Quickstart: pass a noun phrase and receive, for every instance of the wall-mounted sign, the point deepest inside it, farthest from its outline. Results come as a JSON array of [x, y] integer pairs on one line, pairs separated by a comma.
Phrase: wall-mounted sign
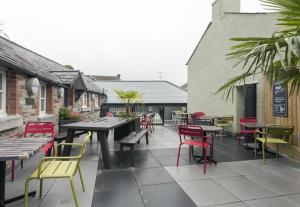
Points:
[[32, 86], [29, 101], [280, 100]]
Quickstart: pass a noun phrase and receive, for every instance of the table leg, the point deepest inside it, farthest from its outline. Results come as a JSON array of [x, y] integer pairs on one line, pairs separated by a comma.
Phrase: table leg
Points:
[[69, 139], [2, 187], [2, 181], [102, 138]]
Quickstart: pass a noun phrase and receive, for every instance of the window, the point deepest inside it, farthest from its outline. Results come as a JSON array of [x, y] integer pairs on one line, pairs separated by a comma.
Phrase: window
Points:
[[2, 93], [84, 99], [43, 99], [96, 100]]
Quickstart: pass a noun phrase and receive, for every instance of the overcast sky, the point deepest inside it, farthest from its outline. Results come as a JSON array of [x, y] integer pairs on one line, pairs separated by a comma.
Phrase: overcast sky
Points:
[[134, 38]]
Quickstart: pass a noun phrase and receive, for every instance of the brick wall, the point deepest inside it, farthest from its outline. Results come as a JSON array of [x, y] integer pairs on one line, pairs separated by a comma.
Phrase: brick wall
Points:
[[16, 104]]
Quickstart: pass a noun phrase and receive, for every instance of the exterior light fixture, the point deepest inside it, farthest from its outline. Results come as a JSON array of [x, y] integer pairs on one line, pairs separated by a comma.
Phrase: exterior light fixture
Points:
[[32, 86], [60, 92]]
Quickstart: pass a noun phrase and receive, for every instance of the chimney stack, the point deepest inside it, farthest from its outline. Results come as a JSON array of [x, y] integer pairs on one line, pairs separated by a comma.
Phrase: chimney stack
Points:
[[220, 7]]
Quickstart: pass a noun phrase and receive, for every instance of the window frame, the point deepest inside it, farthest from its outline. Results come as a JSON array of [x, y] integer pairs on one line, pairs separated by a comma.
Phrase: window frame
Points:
[[84, 100], [96, 100], [3, 100], [45, 99]]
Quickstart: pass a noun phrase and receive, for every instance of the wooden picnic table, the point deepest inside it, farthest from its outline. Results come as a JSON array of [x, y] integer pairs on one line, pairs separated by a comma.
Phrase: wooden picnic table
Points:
[[17, 149], [122, 126]]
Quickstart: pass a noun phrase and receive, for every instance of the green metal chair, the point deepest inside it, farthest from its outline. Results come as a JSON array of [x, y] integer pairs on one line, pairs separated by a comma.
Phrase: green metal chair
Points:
[[274, 134], [225, 121], [59, 167]]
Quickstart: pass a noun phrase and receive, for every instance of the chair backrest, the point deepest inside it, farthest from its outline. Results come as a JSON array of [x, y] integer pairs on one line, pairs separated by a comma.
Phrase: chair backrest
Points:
[[189, 130], [39, 128], [280, 132], [109, 114], [84, 144], [199, 114], [228, 120]]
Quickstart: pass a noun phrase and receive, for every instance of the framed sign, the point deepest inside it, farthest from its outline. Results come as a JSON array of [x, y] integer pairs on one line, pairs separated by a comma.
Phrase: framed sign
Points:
[[280, 100]]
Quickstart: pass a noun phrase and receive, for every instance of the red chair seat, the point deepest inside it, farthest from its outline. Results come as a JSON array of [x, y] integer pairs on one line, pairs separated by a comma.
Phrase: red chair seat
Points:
[[196, 143], [247, 131]]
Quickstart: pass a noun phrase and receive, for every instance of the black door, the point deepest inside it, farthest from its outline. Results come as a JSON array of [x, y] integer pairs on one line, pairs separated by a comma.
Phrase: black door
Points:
[[250, 100], [66, 97]]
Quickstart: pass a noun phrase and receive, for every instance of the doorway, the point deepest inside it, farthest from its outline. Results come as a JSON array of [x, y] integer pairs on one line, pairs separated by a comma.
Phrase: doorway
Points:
[[250, 100]]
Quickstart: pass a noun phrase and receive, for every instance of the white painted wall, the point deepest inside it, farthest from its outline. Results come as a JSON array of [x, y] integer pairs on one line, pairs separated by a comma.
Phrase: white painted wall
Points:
[[208, 69]]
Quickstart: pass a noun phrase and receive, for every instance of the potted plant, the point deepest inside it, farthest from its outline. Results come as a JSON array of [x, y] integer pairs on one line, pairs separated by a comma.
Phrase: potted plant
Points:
[[67, 116], [129, 98]]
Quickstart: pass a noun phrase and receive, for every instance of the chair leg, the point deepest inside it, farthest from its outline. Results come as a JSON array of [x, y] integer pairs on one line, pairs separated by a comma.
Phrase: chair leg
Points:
[[221, 138], [22, 164], [204, 161], [74, 192], [132, 155], [276, 151], [264, 155], [178, 155], [26, 193], [255, 148], [81, 178], [12, 170], [41, 189], [190, 153]]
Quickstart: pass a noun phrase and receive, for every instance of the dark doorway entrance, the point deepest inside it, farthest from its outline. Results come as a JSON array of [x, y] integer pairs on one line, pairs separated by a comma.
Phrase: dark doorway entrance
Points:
[[250, 100]]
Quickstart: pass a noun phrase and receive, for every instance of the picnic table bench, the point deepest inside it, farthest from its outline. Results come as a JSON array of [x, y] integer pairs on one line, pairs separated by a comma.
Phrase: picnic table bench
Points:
[[131, 140]]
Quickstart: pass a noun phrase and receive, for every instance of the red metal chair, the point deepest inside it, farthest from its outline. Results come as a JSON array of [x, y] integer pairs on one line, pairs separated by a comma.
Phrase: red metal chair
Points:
[[147, 122], [195, 132], [109, 114], [199, 115], [37, 128], [244, 131]]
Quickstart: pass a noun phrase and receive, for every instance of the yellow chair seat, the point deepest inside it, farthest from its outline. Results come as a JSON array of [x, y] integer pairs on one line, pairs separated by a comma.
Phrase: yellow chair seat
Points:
[[56, 169], [223, 125], [272, 140]]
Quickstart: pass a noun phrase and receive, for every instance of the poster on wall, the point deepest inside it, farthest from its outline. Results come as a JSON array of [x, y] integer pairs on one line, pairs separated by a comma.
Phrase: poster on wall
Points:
[[280, 100]]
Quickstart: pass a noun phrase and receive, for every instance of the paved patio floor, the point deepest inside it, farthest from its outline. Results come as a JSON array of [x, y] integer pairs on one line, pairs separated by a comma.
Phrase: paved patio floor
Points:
[[236, 181]]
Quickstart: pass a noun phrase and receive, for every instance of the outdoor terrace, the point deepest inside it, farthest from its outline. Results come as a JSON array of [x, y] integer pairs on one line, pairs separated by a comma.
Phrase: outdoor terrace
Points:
[[238, 180]]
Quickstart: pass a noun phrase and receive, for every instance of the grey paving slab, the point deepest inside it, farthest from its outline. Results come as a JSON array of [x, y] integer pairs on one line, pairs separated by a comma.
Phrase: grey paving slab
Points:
[[207, 192], [115, 179], [275, 183], [237, 204], [295, 198], [152, 176], [118, 198], [171, 161], [166, 195], [243, 188], [243, 167], [273, 202], [186, 173]]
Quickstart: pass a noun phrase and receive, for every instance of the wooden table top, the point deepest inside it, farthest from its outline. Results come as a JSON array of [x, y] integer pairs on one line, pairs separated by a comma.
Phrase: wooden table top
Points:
[[104, 123], [254, 125], [21, 148], [208, 128]]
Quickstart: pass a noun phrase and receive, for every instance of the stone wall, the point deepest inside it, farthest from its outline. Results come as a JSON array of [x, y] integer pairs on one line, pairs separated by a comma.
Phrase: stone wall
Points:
[[21, 108]]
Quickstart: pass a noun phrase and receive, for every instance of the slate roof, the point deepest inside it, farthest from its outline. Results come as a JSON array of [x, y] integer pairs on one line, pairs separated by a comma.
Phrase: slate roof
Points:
[[154, 92], [105, 77], [91, 85], [67, 76], [19, 58]]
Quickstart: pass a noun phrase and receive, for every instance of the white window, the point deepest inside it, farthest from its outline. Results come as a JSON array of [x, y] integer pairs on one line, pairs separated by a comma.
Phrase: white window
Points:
[[96, 100], [43, 99], [2, 93], [84, 99]]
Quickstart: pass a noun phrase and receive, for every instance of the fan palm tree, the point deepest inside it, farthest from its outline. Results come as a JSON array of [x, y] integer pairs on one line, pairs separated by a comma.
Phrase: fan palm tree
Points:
[[276, 57], [129, 98]]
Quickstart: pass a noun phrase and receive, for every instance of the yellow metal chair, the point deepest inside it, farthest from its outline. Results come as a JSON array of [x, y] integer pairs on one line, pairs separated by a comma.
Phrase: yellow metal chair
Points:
[[225, 121], [274, 134], [59, 167]]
